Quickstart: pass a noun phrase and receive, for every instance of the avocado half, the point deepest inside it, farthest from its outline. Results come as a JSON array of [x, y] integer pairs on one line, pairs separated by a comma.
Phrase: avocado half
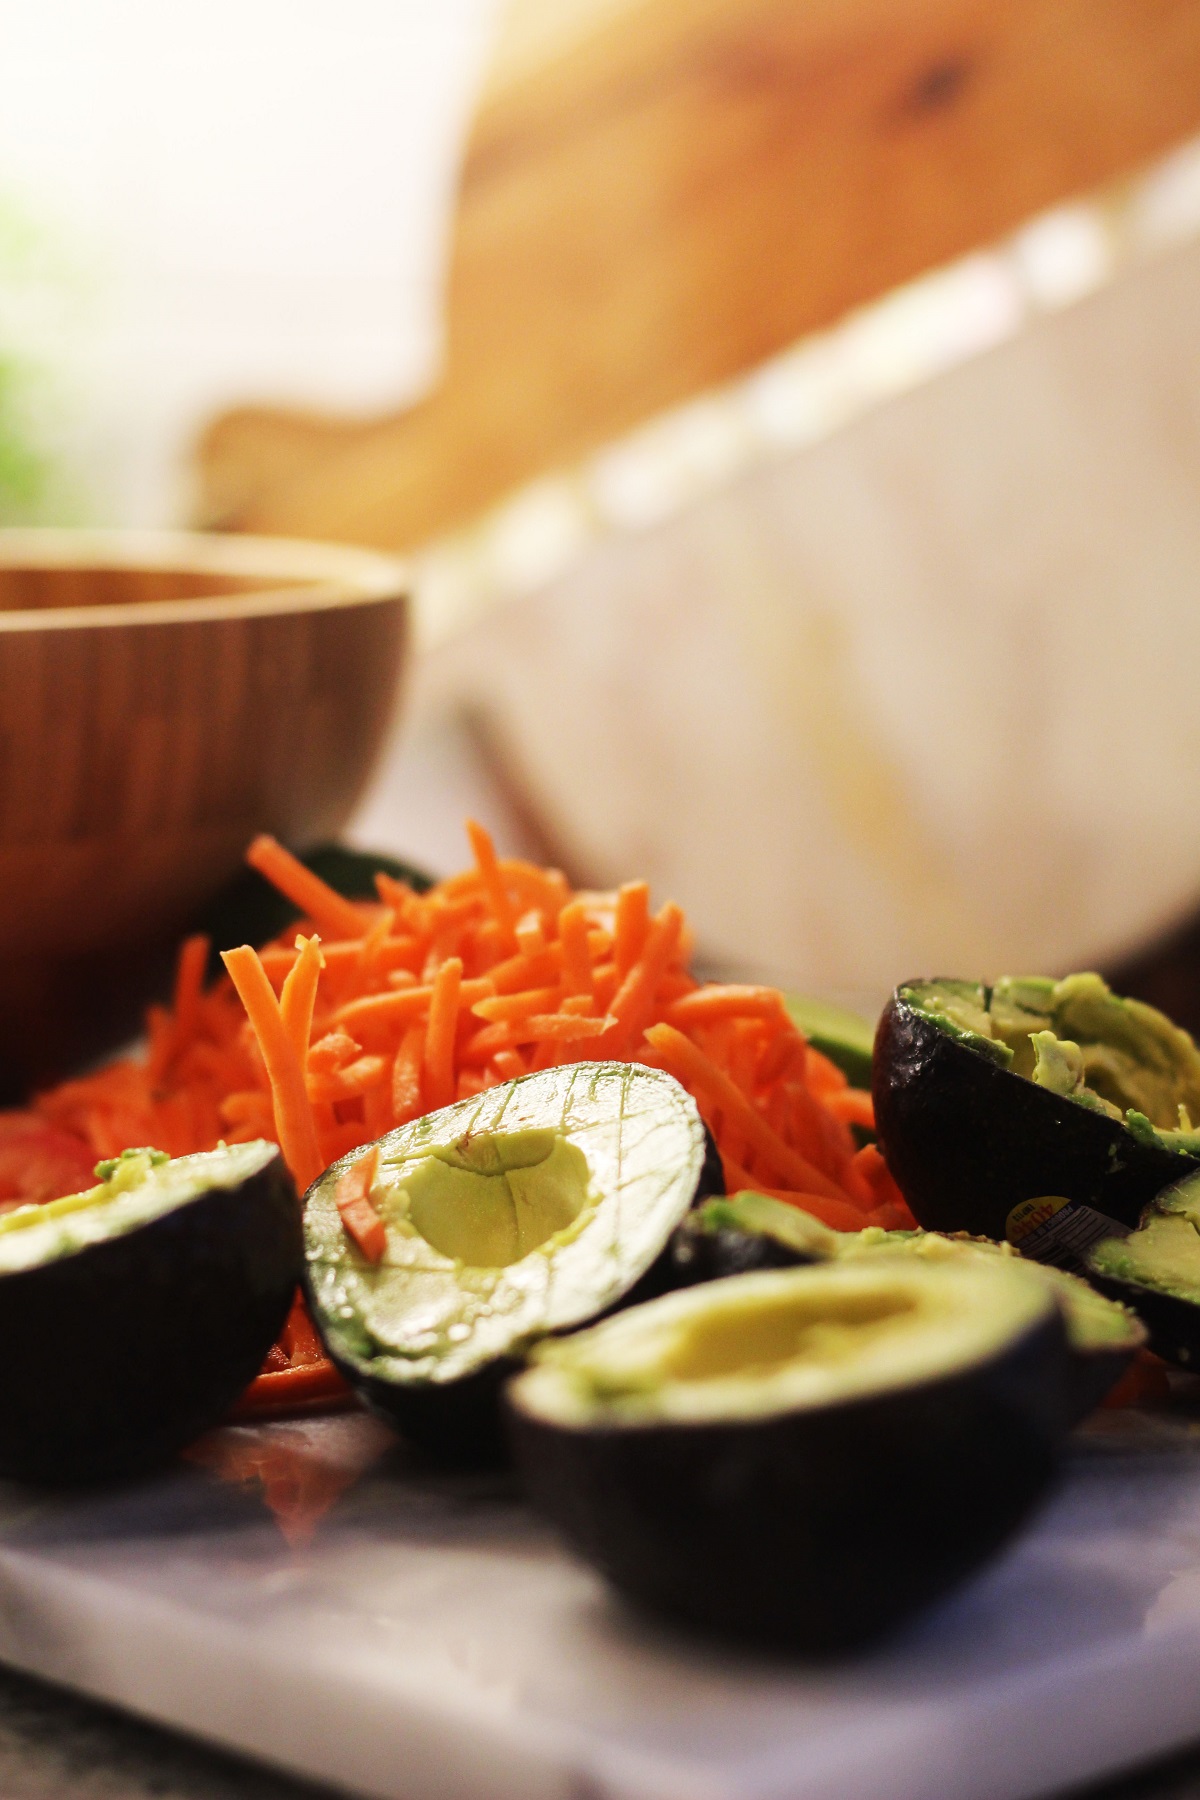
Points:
[[1156, 1271], [529, 1209], [748, 1454], [744, 1233], [133, 1315], [988, 1098], [752, 1231]]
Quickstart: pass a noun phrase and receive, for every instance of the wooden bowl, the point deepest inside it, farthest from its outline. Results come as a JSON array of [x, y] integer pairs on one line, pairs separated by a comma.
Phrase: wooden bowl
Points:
[[164, 696]]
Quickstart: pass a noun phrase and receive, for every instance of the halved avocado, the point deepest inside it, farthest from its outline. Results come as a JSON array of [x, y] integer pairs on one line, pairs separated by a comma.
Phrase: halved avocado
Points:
[[752, 1231], [745, 1232], [531, 1208], [989, 1098], [801, 1457], [133, 1315], [1103, 1335], [1156, 1271]]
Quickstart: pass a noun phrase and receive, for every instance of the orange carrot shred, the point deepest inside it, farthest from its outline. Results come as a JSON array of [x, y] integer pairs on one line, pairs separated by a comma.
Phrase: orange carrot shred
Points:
[[352, 1197], [633, 921], [706, 1004], [484, 852], [439, 1036], [633, 1001], [293, 1115], [577, 959], [315, 898], [189, 985], [854, 1105], [299, 995], [692, 1065]]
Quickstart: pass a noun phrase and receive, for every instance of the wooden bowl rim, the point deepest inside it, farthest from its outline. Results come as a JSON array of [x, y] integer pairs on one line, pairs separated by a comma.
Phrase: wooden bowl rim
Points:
[[312, 576]]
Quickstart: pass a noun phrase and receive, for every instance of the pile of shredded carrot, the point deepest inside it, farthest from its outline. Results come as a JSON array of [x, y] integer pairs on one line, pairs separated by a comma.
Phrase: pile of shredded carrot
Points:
[[373, 1013]]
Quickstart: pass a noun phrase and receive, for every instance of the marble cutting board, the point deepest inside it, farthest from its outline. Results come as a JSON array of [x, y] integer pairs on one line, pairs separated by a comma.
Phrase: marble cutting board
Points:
[[308, 1593]]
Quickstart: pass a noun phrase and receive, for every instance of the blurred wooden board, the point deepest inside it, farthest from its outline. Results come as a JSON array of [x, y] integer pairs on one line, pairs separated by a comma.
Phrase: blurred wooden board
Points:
[[659, 194]]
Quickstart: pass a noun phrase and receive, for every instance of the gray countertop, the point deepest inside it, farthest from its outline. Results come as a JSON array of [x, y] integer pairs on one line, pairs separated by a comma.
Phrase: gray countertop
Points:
[[56, 1746]]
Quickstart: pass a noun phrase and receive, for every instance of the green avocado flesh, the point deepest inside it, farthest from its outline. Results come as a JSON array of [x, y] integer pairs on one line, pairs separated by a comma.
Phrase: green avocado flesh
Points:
[[1078, 1039], [1092, 1322], [530, 1208], [782, 1341], [758, 1213], [136, 1187], [1164, 1252], [492, 1198]]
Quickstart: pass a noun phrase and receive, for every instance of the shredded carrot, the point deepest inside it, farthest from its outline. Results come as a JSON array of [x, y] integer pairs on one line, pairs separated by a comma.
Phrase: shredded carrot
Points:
[[286, 1389], [315, 898], [494, 884], [189, 986], [693, 1068], [633, 1003], [419, 999], [632, 923], [352, 1197], [439, 1037], [704, 1006], [852, 1105], [293, 1116], [299, 995], [406, 1075], [577, 961]]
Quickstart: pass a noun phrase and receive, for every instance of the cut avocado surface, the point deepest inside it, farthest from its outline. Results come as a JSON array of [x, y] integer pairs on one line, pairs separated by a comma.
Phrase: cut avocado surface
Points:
[[1156, 1270], [1078, 1039], [747, 1453], [990, 1098], [745, 1232], [132, 1315], [529, 1209], [752, 1231]]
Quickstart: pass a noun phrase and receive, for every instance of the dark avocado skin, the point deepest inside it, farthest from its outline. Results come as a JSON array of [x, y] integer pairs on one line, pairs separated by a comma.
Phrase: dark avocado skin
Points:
[[457, 1422], [460, 1422], [784, 1531], [700, 1255], [1173, 1324], [968, 1140], [1094, 1373], [118, 1355]]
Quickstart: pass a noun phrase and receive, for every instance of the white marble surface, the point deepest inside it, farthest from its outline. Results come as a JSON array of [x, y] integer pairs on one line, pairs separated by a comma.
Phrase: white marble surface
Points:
[[428, 1639]]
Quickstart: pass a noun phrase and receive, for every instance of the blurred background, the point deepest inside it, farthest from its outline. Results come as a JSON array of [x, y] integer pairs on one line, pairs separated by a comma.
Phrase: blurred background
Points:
[[791, 409]]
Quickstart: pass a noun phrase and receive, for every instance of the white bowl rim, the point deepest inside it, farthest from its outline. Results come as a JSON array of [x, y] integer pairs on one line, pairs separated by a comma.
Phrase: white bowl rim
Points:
[[312, 576]]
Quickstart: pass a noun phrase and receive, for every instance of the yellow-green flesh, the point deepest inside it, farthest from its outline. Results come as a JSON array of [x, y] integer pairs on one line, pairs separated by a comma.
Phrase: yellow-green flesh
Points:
[[780, 1341], [1164, 1254], [491, 1199], [1091, 1320], [1076, 1038]]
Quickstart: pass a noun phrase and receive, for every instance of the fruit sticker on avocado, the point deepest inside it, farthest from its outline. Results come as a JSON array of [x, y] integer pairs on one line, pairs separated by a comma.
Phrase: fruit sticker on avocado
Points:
[[1050, 1228]]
